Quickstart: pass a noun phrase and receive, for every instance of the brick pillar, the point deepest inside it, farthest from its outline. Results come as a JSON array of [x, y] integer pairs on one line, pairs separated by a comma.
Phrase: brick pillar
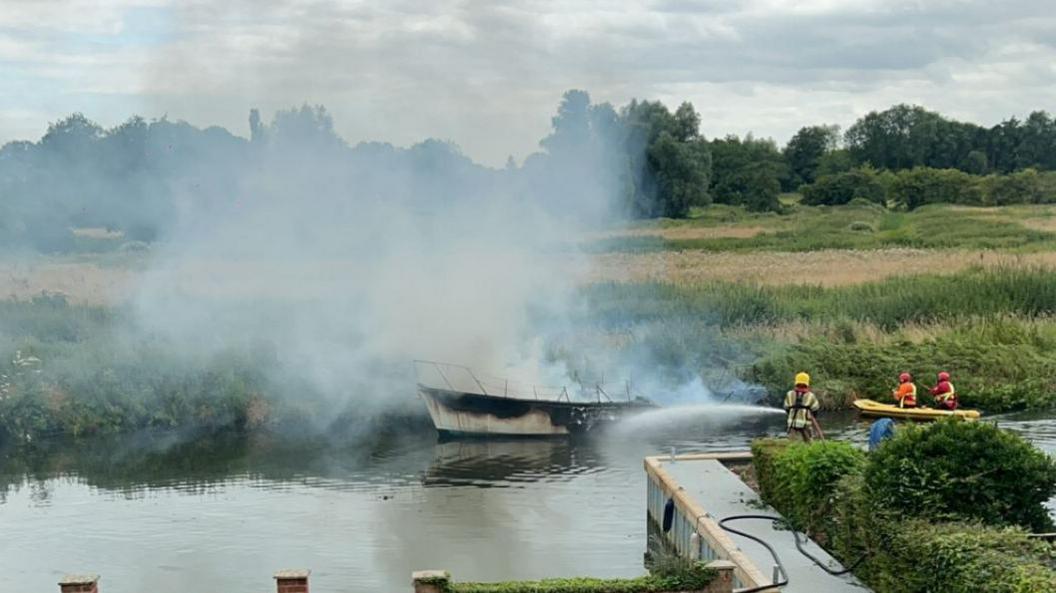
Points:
[[430, 581], [723, 582], [79, 583], [292, 581]]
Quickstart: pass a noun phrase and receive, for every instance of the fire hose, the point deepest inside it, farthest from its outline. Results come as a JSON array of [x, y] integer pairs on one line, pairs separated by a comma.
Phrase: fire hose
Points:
[[777, 559]]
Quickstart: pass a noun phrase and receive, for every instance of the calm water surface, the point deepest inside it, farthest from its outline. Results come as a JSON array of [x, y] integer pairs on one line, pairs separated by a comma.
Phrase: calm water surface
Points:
[[164, 515]]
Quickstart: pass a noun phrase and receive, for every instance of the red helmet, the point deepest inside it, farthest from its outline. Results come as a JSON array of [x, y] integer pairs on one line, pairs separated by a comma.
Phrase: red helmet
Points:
[[905, 377], [944, 376]]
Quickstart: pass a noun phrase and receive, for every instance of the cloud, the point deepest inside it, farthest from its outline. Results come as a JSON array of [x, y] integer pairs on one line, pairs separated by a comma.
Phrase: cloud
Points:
[[488, 75]]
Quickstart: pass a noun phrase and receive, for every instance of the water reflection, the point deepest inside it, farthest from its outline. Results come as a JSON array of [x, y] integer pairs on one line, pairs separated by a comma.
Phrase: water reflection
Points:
[[509, 463], [160, 512]]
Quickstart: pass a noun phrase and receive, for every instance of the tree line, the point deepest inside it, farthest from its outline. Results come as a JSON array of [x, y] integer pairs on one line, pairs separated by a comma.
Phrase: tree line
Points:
[[642, 160]]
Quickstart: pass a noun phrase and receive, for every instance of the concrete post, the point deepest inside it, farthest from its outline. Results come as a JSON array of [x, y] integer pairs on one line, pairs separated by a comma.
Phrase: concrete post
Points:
[[292, 581], [430, 581], [723, 582], [79, 583]]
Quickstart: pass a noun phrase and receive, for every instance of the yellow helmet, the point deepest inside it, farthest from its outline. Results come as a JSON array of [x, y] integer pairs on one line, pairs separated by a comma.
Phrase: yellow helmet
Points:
[[802, 379]]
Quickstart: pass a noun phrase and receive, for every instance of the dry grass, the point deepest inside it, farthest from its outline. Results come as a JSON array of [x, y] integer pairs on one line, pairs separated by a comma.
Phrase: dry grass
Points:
[[825, 268], [1046, 224], [86, 283]]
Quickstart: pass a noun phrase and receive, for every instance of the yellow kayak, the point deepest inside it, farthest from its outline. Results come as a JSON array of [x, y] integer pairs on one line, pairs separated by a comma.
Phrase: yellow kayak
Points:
[[869, 407]]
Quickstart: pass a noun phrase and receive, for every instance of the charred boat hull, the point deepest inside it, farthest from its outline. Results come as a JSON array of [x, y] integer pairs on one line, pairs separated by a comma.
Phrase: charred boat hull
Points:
[[462, 413]]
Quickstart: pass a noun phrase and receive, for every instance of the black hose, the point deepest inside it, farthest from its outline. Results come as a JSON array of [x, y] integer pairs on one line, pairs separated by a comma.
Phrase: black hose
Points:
[[777, 560]]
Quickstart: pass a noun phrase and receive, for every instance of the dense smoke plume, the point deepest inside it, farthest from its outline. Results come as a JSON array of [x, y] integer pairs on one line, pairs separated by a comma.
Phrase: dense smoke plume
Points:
[[327, 268], [351, 262]]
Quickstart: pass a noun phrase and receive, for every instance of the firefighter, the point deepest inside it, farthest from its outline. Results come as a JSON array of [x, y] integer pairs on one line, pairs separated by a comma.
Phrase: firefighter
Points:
[[906, 394], [801, 405], [944, 393]]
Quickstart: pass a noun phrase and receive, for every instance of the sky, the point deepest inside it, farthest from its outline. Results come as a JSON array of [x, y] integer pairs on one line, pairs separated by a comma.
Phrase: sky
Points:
[[488, 75]]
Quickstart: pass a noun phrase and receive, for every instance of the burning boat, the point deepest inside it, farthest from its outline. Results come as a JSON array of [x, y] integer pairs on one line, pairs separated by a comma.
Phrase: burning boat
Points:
[[460, 402]]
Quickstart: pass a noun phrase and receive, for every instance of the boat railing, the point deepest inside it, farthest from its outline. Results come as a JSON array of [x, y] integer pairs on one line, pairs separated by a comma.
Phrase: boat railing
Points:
[[463, 379]]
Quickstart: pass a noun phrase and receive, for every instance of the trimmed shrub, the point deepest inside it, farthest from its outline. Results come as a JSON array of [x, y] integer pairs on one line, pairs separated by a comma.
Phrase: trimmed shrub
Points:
[[765, 453], [696, 578], [958, 558], [898, 555], [806, 476], [963, 470]]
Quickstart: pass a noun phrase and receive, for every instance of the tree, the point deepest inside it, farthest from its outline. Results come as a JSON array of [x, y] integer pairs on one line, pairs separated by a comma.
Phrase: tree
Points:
[[975, 163], [805, 151], [898, 138], [308, 127], [681, 170], [256, 127], [746, 172], [1037, 142], [669, 162]]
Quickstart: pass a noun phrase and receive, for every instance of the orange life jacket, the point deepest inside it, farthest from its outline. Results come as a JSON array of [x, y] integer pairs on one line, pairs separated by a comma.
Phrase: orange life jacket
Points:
[[907, 395]]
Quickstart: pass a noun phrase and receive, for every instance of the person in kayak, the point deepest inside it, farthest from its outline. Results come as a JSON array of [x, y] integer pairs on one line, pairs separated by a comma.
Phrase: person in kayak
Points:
[[906, 394], [944, 393], [801, 405]]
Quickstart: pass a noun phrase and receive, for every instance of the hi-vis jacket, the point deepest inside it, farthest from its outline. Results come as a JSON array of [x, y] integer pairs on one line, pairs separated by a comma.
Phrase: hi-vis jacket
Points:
[[906, 395], [799, 405]]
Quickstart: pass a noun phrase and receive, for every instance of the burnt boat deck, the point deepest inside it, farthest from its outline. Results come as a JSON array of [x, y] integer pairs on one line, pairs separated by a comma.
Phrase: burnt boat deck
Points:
[[461, 402]]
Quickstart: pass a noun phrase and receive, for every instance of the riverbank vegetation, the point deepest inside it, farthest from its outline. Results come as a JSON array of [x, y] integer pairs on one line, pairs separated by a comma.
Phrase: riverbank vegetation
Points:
[[80, 369], [992, 328], [920, 520]]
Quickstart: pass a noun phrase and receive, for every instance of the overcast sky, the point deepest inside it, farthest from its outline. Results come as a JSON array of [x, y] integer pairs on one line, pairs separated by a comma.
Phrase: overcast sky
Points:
[[488, 75]]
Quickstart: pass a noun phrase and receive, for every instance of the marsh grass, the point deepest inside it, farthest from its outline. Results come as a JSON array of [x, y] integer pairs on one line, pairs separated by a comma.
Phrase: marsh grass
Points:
[[992, 328], [843, 227]]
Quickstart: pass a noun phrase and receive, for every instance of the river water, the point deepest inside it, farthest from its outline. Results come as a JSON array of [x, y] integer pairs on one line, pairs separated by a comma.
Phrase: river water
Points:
[[165, 514]]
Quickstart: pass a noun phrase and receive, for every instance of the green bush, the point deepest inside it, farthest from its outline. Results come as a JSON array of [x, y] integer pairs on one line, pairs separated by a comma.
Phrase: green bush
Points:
[[841, 188], [765, 453], [898, 555], [913, 188], [1022, 187], [801, 480], [695, 579], [920, 556], [963, 470], [916, 187]]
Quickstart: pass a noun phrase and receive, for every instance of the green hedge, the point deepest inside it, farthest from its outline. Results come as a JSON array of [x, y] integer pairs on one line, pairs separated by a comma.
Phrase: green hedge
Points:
[[964, 470], [696, 579], [921, 556], [804, 479], [904, 556]]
